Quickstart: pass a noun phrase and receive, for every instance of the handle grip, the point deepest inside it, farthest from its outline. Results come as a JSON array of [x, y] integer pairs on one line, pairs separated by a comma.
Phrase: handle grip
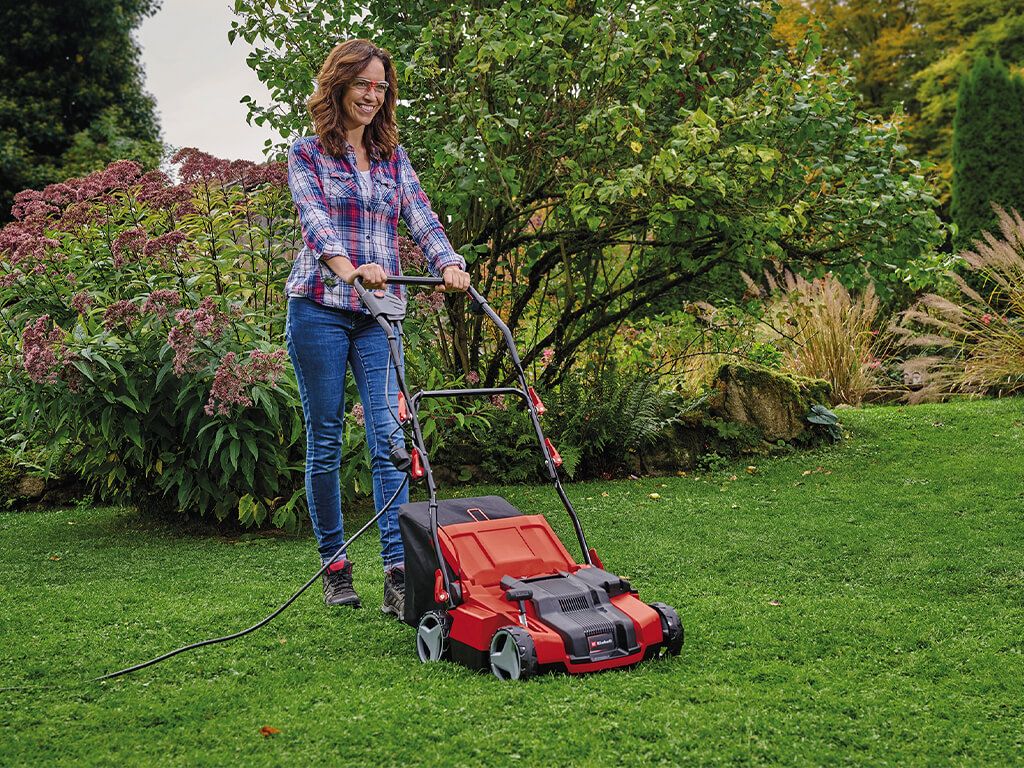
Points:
[[422, 282]]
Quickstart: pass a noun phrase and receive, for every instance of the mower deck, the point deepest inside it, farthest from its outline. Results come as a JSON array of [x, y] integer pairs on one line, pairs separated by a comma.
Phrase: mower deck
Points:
[[523, 605]]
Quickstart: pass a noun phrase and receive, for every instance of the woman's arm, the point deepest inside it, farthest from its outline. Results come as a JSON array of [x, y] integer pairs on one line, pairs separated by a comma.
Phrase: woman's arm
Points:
[[423, 224], [307, 189]]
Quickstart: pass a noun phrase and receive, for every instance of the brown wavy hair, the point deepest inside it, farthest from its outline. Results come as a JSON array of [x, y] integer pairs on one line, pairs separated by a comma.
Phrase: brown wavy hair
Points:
[[343, 65]]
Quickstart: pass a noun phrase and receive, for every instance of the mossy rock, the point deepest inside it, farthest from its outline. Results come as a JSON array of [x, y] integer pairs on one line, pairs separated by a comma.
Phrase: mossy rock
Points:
[[22, 488], [773, 403]]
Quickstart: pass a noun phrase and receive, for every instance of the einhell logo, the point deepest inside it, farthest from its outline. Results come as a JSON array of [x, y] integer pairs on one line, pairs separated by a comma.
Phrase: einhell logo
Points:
[[600, 643]]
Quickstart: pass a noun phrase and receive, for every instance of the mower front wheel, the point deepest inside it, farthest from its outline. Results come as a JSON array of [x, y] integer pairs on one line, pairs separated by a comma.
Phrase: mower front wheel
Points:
[[671, 629], [432, 636], [513, 655]]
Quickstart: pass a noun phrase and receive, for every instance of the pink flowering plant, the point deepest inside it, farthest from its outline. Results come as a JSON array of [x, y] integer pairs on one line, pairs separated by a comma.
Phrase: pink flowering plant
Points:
[[142, 332]]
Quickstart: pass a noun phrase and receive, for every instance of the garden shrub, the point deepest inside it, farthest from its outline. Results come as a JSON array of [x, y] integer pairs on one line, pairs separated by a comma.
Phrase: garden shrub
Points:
[[146, 319], [599, 420], [593, 159], [827, 333], [811, 328], [974, 343], [143, 331]]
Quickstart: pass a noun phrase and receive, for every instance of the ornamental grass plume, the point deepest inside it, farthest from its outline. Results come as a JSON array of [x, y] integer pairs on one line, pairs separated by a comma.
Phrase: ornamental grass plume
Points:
[[830, 334], [974, 343]]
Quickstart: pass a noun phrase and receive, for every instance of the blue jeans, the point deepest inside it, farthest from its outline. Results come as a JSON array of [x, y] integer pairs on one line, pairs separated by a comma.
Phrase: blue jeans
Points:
[[323, 342]]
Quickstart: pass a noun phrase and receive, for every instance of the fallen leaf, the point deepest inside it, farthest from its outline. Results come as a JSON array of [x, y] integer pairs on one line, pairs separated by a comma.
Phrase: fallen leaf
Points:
[[806, 472], [268, 730], [732, 477], [54, 557], [654, 495], [751, 470]]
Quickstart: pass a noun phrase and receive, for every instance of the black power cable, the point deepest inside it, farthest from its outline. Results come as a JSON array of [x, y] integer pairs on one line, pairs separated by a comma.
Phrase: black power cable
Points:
[[277, 612], [241, 633]]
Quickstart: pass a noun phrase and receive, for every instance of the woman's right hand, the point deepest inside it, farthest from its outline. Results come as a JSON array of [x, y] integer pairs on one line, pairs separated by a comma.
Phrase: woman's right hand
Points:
[[371, 275]]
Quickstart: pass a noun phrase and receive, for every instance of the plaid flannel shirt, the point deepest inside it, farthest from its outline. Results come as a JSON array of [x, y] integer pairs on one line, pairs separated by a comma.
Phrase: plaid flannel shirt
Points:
[[338, 220]]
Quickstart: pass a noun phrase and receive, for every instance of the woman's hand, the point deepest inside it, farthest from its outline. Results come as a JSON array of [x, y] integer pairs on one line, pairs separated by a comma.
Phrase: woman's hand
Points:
[[371, 275], [455, 279]]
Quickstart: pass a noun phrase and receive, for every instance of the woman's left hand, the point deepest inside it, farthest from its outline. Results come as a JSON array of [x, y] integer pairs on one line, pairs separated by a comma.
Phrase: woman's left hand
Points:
[[455, 279]]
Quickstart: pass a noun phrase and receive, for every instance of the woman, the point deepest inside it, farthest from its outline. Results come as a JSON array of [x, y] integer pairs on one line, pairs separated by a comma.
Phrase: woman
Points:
[[351, 183]]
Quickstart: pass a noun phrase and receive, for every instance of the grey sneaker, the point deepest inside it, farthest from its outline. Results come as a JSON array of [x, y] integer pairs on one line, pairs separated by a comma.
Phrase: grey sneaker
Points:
[[338, 588], [394, 593]]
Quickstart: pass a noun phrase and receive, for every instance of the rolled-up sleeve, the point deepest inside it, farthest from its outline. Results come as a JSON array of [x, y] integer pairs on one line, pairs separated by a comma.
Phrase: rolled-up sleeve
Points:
[[318, 232], [423, 224]]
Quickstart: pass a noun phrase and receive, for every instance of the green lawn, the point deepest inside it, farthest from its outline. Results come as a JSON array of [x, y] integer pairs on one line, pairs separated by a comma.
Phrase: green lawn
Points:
[[862, 604]]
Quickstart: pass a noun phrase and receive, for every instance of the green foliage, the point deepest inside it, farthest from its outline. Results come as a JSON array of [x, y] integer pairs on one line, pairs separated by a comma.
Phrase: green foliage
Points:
[[141, 328], [606, 417], [825, 421], [913, 54], [988, 134], [766, 354], [599, 420], [712, 462], [952, 35], [590, 161], [71, 96], [973, 342]]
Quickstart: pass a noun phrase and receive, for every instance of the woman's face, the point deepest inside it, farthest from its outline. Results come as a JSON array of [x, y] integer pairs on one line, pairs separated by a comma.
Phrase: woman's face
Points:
[[359, 105]]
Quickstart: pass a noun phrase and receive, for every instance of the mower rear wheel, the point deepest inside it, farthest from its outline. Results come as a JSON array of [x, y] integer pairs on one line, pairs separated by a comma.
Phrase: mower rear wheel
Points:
[[671, 629], [513, 655], [432, 636]]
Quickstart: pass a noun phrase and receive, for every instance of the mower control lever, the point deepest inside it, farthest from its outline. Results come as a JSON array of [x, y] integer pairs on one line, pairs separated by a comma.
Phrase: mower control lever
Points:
[[517, 592]]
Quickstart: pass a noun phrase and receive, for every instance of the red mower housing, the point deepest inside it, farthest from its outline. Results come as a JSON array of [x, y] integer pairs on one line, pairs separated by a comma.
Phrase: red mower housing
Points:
[[522, 605]]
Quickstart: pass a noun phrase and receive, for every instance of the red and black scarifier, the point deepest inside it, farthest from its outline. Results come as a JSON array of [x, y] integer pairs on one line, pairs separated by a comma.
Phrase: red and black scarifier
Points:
[[491, 587]]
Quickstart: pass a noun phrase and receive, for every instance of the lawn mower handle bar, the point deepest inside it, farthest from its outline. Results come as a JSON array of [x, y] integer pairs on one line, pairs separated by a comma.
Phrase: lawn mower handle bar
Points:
[[393, 330]]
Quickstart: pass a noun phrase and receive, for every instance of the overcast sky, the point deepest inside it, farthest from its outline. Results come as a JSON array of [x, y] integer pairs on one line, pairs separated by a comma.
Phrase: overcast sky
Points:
[[197, 79]]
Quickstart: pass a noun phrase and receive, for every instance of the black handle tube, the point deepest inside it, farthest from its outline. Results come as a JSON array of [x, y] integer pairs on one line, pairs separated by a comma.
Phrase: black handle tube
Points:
[[531, 409], [392, 331], [423, 282]]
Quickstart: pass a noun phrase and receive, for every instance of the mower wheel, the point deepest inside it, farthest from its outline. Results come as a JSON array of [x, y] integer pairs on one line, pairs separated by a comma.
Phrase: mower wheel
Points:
[[432, 636], [513, 655], [671, 629]]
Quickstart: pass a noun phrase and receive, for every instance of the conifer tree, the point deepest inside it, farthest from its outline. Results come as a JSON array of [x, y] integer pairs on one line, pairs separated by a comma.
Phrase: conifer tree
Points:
[[988, 148]]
